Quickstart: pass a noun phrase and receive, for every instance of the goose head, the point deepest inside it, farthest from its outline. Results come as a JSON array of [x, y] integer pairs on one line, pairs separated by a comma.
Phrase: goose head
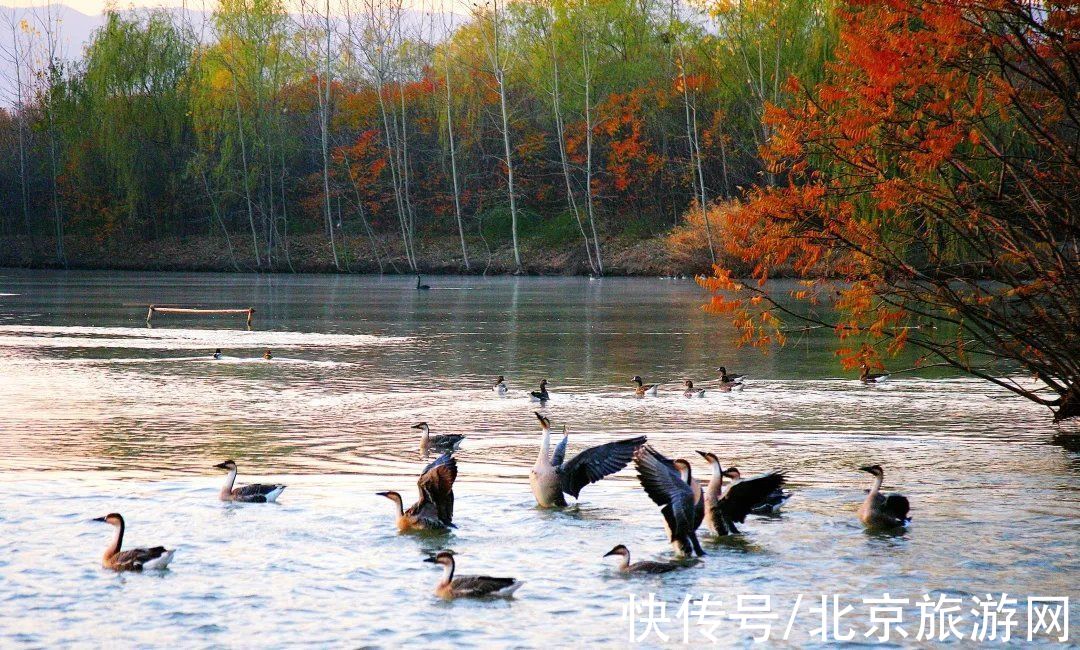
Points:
[[543, 384], [637, 380], [545, 424], [710, 457], [685, 471], [422, 426], [267, 355], [113, 519], [229, 466], [390, 494], [689, 384], [722, 370], [217, 351], [444, 558], [875, 470], [618, 550], [733, 473], [500, 380]]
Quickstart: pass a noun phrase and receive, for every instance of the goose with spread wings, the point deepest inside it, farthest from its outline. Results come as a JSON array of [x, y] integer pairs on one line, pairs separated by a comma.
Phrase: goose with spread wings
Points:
[[551, 478], [725, 508], [434, 511], [664, 483]]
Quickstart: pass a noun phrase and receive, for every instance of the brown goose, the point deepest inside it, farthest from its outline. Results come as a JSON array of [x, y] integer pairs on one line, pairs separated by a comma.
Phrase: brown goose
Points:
[[434, 511], [691, 392], [680, 506], [883, 511], [643, 389], [644, 567], [443, 442], [254, 493], [551, 478], [725, 508], [866, 377], [451, 586], [135, 559], [267, 355]]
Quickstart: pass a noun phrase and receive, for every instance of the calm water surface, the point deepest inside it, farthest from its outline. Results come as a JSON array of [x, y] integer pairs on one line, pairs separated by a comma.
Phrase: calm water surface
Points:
[[102, 414]]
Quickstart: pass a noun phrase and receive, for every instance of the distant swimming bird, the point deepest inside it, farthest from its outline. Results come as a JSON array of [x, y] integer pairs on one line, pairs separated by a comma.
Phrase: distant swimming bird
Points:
[[772, 503], [421, 287], [442, 442], [254, 493], [267, 355], [217, 353], [867, 377], [500, 386], [664, 484], [725, 508], [135, 559], [691, 391], [451, 586], [551, 478], [540, 395], [434, 511], [644, 566], [726, 378], [879, 510], [643, 389]]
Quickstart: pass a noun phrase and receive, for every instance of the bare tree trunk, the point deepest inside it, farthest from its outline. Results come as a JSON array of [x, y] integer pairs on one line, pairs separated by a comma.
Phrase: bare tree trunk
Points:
[[695, 156], [324, 127], [453, 161], [499, 70], [247, 180], [586, 66]]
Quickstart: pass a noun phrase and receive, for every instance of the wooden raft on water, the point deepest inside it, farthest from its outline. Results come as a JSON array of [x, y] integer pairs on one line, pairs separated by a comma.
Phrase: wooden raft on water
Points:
[[250, 311]]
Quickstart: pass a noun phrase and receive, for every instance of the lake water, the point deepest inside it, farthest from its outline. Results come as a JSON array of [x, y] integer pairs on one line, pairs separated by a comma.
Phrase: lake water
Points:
[[101, 414]]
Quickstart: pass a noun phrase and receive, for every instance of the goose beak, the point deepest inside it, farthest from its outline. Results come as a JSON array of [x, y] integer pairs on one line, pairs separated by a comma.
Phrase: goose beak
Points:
[[221, 466], [706, 455], [98, 519], [609, 553], [868, 469], [432, 559], [383, 494]]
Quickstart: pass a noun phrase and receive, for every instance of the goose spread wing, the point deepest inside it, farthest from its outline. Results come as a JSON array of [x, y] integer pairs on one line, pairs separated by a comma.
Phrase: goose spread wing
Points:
[[437, 487], [135, 558], [666, 488], [744, 496], [560, 451], [596, 462], [480, 585]]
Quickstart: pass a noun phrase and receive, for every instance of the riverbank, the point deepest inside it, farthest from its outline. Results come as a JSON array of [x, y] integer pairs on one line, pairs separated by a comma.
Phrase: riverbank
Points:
[[436, 254]]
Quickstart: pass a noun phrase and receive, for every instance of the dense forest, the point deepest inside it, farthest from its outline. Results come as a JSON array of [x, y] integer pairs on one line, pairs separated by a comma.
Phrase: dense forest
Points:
[[375, 136]]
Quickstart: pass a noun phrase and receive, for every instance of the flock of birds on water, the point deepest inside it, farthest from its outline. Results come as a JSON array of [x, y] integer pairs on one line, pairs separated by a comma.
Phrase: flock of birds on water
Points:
[[685, 503]]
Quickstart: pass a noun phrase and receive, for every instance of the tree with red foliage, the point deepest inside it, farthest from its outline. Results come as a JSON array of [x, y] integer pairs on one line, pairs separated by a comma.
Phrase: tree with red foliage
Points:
[[932, 181]]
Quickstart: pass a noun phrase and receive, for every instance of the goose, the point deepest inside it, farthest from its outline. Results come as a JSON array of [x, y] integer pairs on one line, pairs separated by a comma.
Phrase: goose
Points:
[[434, 511], [500, 386], [551, 478], [442, 442], [217, 353], [451, 586], [135, 559], [267, 355], [540, 395], [772, 503], [725, 378], [686, 473], [664, 484], [645, 566], [421, 287], [254, 493], [725, 508], [866, 377], [691, 392], [643, 389], [880, 510]]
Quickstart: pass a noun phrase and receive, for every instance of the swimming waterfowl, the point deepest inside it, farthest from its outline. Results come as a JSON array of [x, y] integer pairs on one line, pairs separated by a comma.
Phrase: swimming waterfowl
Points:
[[866, 377], [217, 353], [725, 508], [451, 586], [421, 287], [643, 389], [880, 510], [691, 391], [664, 484], [267, 355], [500, 386], [772, 503], [442, 442], [551, 478], [135, 559], [254, 493], [434, 510], [645, 566], [725, 378], [542, 394]]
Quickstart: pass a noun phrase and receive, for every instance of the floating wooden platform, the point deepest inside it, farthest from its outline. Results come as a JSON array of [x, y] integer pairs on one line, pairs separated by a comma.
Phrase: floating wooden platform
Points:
[[154, 309]]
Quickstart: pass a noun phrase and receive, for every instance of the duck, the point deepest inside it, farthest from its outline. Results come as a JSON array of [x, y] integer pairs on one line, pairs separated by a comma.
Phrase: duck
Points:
[[500, 386], [880, 510], [451, 586], [692, 392], [217, 354], [725, 508], [643, 389], [540, 395], [434, 510], [442, 442], [643, 567], [664, 484], [254, 493], [421, 287], [772, 503], [725, 378], [267, 355], [551, 478], [135, 559], [866, 377]]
